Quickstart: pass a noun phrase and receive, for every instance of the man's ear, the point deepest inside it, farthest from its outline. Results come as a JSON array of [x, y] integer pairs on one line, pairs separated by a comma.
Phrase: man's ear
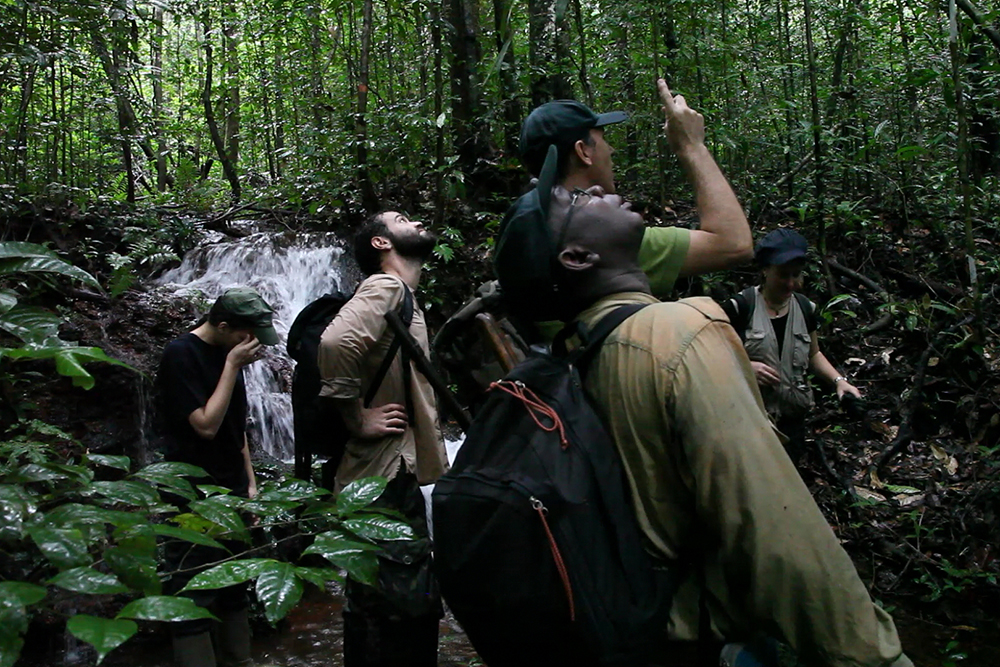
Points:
[[582, 151], [381, 243], [577, 258]]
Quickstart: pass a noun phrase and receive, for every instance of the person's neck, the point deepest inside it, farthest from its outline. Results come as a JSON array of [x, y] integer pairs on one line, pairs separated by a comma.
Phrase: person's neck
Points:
[[207, 332], [578, 179], [406, 269], [776, 303]]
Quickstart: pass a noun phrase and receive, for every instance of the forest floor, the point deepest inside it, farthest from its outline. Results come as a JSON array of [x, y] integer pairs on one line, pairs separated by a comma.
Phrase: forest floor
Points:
[[921, 523]]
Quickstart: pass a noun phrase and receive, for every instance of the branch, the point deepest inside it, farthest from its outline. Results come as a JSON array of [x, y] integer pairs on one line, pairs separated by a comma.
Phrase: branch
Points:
[[905, 434], [886, 319], [980, 22]]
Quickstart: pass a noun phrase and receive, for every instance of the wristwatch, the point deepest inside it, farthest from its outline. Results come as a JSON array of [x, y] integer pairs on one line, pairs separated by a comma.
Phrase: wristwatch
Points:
[[839, 378]]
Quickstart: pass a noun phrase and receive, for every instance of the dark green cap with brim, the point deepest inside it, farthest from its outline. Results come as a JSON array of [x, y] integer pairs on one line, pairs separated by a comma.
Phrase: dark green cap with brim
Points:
[[559, 123], [243, 308], [524, 260]]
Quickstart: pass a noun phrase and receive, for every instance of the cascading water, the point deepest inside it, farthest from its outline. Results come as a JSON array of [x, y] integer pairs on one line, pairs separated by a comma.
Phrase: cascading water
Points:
[[289, 271]]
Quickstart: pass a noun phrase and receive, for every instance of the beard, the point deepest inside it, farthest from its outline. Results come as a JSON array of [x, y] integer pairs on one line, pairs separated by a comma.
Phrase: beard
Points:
[[418, 244]]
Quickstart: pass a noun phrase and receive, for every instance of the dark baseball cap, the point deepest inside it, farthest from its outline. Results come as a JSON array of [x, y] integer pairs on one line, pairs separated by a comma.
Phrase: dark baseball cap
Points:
[[524, 256], [243, 308], [780, 247], [560, 123]]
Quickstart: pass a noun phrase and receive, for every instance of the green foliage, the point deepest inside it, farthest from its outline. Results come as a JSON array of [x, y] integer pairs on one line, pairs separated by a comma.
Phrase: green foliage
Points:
[[37, 328], [61, 529]]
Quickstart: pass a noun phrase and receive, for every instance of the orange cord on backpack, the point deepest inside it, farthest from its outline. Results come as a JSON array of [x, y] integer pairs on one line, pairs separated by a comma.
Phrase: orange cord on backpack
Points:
[[557, 556], [536, 407]]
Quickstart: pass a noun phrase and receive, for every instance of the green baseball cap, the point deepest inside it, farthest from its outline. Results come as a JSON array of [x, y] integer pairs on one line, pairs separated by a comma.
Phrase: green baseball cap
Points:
[[561, 123], [243, 308]]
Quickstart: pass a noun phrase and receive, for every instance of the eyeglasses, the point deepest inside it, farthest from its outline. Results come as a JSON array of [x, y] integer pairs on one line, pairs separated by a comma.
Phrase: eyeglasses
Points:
[[569, 215]]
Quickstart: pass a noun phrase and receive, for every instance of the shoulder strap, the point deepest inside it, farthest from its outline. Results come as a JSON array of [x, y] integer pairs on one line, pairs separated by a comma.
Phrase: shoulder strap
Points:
[[804, 303], [405, 314], [750, 296], [582, 356]]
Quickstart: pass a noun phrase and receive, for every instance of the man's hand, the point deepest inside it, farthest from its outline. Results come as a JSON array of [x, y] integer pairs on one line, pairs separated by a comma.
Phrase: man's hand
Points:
[[388, 419], [766, 376], [845, 387], [684, 127], [246, 352]]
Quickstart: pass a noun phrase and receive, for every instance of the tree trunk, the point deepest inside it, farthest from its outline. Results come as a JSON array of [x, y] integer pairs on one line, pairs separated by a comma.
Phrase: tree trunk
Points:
[[464, 83], [231, 82], [435, 7], [368, 197], [228, 168], [508, 78], [588, 91], [548, 81], [962, 152], [156, 49]]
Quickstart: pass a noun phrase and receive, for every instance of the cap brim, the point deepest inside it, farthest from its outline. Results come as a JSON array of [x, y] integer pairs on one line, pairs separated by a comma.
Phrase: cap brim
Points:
[[546, 181], [610, 118], [787, 256], [266, 335]]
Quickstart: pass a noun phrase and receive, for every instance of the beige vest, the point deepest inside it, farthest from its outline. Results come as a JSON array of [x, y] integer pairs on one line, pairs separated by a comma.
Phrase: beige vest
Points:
[[793, 397]]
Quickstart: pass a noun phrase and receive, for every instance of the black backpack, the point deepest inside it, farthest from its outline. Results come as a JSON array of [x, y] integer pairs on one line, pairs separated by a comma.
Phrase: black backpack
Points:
[[318, 426], [537, 548]]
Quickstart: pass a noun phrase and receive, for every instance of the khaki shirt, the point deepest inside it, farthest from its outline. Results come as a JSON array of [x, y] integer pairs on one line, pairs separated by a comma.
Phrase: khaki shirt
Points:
[[351, 350], [711, 483]]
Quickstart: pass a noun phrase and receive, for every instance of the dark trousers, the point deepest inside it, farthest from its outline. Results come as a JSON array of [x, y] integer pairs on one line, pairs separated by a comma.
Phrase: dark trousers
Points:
[[185, 560], [395, 623]]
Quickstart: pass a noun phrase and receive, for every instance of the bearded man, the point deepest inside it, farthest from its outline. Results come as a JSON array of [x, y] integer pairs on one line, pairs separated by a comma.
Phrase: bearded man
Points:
[[396, 437]]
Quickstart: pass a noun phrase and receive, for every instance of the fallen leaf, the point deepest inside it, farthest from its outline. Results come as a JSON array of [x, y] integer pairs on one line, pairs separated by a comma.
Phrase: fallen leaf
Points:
[[876, 482], [896, 488], [952, 466], [856, 360], [905, 500], [933, 361], [887, 355], [887, 432], [868, 494], [939, 453]]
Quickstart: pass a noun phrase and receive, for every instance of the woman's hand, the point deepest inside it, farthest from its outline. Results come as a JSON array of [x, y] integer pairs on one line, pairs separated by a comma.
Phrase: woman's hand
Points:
[[766, 376], [845, 387]]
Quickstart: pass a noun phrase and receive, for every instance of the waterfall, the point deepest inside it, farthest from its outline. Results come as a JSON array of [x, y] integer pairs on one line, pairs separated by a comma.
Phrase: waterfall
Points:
[[288, 270]]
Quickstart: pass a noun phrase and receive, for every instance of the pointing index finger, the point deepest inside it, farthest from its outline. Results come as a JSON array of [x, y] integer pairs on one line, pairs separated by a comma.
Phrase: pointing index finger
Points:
[[665, 95]]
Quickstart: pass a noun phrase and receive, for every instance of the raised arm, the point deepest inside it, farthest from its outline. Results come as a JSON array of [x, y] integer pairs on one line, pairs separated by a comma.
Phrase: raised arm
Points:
[[723, 239]]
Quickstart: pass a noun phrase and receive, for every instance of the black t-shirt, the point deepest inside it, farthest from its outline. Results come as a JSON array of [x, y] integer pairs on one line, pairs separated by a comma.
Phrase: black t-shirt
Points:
[[738, 311], [189, 373]]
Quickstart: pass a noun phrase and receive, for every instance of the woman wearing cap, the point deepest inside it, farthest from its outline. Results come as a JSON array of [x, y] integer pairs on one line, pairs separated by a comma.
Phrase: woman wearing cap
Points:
[[777, 325]]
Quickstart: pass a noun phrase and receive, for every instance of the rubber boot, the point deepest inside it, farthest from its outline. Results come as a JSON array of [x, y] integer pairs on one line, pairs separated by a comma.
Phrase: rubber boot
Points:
[[232, 638], [194, 651]]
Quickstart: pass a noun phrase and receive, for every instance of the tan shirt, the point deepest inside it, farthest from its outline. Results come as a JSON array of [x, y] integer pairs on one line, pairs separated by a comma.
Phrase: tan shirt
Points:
[[707, 472], [351, 350]]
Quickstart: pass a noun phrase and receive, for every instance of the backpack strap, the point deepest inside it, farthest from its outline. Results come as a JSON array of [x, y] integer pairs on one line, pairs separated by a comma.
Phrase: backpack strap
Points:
[[593, 339], [405, 314]]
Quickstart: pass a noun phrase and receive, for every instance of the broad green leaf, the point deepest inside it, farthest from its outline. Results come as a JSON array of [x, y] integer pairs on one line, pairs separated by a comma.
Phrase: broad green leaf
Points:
[[35, 326], [45, 264], [8, 299], [318, 576], [14, 506], [222, 516], [13, 624], [126, 492], [64, 547], [104, 634], [356, 557], [279, 589], [20, 249], [164, 608], [136, 567], [69, 359], [187, 535], [292, 489], [119, 462], [35, 472], [24, 593], [213, 489], [228, 574], [88, 580], [76, 513], [360, 493], [175, 483], [174, 468], [79, 474], [377, 527]]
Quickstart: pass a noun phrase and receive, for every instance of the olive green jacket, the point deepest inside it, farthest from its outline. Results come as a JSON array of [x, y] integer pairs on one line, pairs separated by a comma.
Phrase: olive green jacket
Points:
[[712, 484]]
